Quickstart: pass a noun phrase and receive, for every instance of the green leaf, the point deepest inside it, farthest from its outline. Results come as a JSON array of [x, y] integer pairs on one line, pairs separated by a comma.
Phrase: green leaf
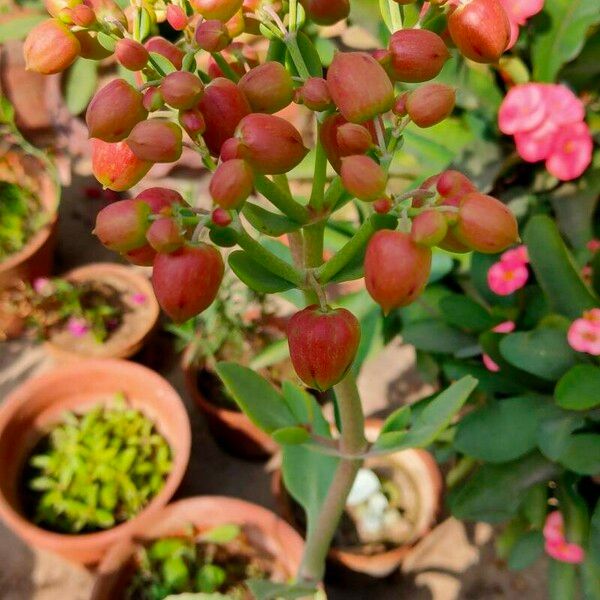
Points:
[[562, 580], [494, 492], [257, 398], [464, 312], [561, 35], [527, 549], [390, 13], [594, 543], [210, 578], [555, 269], [106, 41], [271, 355], [163, 63], [255, 276], [81, 82], [501, 431], [309, 54], [579, 388], [263, 589], [291, 435], [7, 112], [435, 336], [398, 420], [16, 28], [590, 579], [268, 222], [223, 534], [543, 352]]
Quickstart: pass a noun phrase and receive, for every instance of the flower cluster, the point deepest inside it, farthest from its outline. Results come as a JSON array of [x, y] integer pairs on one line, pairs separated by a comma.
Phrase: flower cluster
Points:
[[584, 333], [556, 545], [510, 273], [547, 121]]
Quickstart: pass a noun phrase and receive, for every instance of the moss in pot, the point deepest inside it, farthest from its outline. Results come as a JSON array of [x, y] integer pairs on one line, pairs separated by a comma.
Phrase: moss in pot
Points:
[[94, 470]]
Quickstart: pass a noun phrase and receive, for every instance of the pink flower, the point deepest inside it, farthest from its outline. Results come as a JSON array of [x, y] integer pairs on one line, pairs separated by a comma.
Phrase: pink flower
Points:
[[562, 105], [77, 326], [521, 10], [506, 277], [138, 298], [523, 109], [490, 365], [42, 285], [593, 316], [593, 246], [537, 144], [556, 545], [505, 327], [571, 153], [517, 254], [584, 336]]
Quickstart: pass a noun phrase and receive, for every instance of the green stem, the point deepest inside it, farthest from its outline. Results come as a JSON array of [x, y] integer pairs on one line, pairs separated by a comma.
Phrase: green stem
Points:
[[293, 12], [313, 244], [292, 45], [268, 260], [334, 194], [317, 195], [352, 441], [225, 67], [281, 199]]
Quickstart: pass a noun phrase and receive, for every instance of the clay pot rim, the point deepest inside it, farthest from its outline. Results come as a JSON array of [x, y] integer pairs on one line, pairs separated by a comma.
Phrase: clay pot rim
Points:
[[50, 204], [20, 396], [134, 279]]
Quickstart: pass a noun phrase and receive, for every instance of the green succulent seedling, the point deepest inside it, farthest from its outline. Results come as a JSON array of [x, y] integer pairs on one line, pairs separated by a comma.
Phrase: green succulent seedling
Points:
[[98, 469]]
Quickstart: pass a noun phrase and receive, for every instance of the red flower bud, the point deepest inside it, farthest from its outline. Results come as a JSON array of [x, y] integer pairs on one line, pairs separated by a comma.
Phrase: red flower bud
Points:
[[451, 244], [268, 87], [480, 29], [122, 225], [163, 47], [115, 166], [90, 47], [114, 111], [231, 183], [176, 17], [181, 89], [231, 149], [164, 236], [452, 186], [236, 25], [50, 47], [363, 177], [159, 198], [193, 122], [270, 144], [223, 106], [416, 55], [131, 54], [430, 103], [187, 281], [143, 257], [328, 137], [396, 269], [359, 86], [221, 217], [382, 206], [83, 15], [326, 12], [153, 99], [353, 139], [222, 10], [485, 224], [399, 107], [156, 140], [429, 228], [55, 6], [212, 36], [323, 345], [314, 94], [107, 11]]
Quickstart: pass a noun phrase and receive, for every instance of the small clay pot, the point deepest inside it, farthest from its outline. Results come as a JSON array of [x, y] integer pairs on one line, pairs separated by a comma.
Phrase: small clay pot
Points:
[[420, 469], [31, 410], [138, 323], [36, 258], [264, 529], [232, 429]]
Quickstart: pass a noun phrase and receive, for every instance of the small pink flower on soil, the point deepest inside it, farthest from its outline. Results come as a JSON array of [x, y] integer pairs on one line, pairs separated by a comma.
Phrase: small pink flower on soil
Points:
[[504, 327], [42, 285], [490, 365], [518, 254], [584, 336], [506, 277], [77, 326], [571, 153], [139, 298], [593, 245], [523, 109]]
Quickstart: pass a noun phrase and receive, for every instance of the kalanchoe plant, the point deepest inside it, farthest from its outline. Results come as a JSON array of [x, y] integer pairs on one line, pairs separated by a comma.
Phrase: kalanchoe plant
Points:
[[95, 470], [224, 98]]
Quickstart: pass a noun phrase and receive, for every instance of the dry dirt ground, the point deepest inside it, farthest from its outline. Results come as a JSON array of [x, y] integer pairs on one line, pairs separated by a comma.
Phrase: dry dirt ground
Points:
[[455, 561]]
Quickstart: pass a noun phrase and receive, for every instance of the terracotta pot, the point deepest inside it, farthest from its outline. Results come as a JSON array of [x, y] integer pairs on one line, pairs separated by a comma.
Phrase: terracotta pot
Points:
[[35, 259], [232, 429], [263, 527], [32, 408], [420, 471], [138, 322]]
